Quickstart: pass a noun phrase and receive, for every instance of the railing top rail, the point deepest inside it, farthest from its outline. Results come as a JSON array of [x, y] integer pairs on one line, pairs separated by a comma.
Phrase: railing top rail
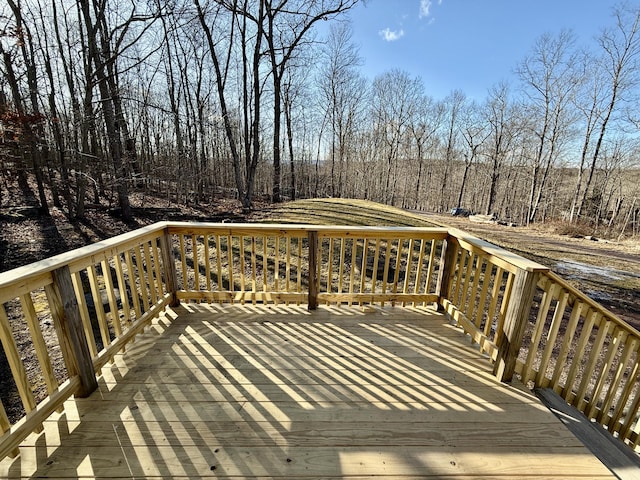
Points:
[[261, 228], [42, 267], [466, 240], [592, 303]]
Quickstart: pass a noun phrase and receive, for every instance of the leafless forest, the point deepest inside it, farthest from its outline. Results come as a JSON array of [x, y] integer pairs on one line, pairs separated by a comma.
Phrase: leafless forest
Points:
[[198, 100]]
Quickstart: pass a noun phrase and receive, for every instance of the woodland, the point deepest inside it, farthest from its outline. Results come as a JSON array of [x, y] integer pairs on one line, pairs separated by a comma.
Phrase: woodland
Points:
[[265, 101]]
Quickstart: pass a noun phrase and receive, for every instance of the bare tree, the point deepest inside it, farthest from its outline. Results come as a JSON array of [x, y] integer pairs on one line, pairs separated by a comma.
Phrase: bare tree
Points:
[[343, 91], [621, 53], [423, 131], [288, 23], [474, 134], [454, 105], [500, 118], [395, 101], [550, 81]]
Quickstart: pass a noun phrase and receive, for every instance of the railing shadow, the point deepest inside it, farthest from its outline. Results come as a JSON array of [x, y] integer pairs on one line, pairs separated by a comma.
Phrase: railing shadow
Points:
[[279, 391]]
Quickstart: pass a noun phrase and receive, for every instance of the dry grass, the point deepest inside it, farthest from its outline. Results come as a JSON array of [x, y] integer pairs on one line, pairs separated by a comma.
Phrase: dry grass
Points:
[[339, 211]]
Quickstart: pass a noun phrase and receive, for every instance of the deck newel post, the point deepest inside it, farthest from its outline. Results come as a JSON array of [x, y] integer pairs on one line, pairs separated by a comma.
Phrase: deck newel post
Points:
[[66, 316], [169, 267], [515, 323], [447, 269], [313, 269]]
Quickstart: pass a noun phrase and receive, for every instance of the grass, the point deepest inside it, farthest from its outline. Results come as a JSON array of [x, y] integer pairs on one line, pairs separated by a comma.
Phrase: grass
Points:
[[338, 211]]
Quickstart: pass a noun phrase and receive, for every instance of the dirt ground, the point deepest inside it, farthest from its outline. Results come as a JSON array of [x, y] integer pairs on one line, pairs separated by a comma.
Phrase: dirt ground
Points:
[[606, 270]]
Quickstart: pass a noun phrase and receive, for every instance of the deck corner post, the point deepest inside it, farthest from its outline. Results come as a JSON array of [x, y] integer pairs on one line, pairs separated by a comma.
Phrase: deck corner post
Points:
[[66, 316], [447, 269], [515, 323], [169, 268], [313, 270]]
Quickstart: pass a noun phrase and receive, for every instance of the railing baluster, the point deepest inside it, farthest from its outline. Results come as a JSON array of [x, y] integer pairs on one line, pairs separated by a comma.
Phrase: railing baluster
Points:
[[5, 426], [495, 293], [552, 335], [567, 338], [417, 283], [313, 270], [97, 304], [39, 344], [265, 263], [156, 266], [354, 252], [568, 392], [131, 273], [169, 267], [183, 260], [196, 264], [504, 306], [363, 266], [299, 267], [408, 269], [396, 275], [144, 292], [84, 314], [482, 300], [207, 262], [15, 362], [254, 247], [219, 282], [111, 298], [543, 312], [374, 269], [594, 355], [242, 269], [232, 285], [148, 268], [330, 268], [124, 297], [276, 261]]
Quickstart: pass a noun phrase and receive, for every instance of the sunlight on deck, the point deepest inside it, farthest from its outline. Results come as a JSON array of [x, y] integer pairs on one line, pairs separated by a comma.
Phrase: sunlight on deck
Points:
[[248, 391]]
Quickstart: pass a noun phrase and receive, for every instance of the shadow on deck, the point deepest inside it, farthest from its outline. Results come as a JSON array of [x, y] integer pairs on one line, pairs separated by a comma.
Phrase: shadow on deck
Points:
[[275, 391]]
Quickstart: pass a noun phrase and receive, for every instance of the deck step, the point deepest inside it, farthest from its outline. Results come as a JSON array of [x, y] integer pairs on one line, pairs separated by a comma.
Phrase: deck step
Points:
[[620, 459]]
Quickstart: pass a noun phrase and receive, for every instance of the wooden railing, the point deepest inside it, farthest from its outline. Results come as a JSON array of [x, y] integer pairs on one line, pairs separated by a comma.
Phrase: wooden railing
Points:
[[274, 263], [586, 354], [82, 307]]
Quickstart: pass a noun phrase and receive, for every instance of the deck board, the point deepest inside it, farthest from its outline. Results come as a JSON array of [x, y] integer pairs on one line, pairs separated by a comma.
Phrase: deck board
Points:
[[276, 392]]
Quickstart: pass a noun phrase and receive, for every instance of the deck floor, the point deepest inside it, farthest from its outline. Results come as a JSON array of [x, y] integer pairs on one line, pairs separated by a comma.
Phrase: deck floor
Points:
[[263, 392]]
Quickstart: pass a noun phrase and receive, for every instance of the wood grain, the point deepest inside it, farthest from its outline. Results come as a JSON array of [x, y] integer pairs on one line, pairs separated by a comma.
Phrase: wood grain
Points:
[[230, 391]]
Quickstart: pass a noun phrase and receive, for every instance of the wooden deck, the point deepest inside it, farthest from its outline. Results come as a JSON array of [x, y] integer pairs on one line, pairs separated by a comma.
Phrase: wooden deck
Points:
[[262, 392]]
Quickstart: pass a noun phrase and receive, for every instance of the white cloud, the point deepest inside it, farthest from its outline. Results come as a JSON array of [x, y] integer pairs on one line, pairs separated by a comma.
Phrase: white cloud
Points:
[[425, 6], [391, 35]]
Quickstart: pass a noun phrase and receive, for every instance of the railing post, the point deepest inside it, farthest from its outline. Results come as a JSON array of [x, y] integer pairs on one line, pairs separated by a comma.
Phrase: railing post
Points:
[[66, 316], [515, 323], [169, 267], [448, 259], [313, 270]]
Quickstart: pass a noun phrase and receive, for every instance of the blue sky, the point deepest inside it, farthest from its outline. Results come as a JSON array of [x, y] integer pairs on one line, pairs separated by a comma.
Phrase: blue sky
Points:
[[466, 44]]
